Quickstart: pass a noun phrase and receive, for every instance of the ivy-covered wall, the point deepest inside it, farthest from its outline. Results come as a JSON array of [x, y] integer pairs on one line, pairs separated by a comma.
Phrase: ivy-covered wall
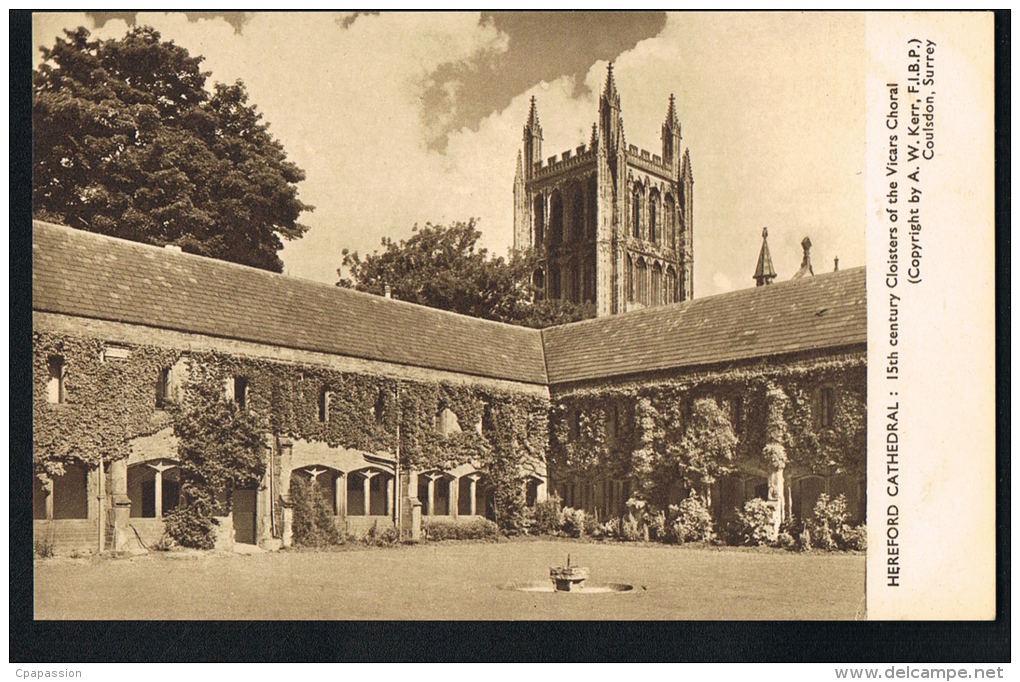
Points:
[[617, 428], [107, 403]]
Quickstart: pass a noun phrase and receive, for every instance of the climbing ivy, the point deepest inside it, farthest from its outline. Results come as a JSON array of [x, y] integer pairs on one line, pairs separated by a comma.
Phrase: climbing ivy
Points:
[[107, 402], [363, 411], [771, 407]]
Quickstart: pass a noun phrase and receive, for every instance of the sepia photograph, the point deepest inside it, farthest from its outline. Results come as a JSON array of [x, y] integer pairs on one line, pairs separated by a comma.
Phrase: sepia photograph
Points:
[[482, 316]]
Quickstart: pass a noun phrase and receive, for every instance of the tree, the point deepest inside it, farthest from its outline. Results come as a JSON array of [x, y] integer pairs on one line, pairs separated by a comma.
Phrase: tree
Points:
[[442, 267], [128, 142], [696, 452], [221, 449]]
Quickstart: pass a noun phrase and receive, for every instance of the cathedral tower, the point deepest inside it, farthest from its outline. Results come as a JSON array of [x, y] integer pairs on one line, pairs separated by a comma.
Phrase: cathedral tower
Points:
[[612, 224]]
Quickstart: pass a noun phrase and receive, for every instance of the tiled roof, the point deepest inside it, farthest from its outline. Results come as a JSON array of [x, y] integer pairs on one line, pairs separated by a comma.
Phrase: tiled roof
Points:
[[825, 311], [80, 273]]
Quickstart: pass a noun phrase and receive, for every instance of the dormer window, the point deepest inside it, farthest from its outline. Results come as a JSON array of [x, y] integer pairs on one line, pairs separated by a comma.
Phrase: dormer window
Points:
[[55, 381]]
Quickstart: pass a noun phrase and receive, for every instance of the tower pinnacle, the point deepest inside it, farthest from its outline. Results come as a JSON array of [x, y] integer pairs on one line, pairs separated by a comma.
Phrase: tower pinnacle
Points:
[[764, 273]]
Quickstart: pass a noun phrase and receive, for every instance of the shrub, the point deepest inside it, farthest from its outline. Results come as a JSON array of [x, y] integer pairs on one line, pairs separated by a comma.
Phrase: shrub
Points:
[[754, 523], [691, 521], [630, 530], [476, 529], [573, 522], [656, 524], [191, 525], [164, 544], [546, 517], [45, 547], [314, 524], [608, 530], [827, 522], [855, 537]]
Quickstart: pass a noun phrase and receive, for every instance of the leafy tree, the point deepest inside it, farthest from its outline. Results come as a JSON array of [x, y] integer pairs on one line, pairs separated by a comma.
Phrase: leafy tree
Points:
[[442, 267], [128, 142], [220, 447], [696, 456]]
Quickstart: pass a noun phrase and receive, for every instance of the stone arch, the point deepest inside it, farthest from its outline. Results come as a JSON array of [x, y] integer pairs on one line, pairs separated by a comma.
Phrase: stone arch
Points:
[[669, 284], [641, 280], [329, 480], [654, 232], [375, 483], [154, 487], [436, 493], [575, 281], [593, 204], [576, 212], [669, 220], [539, 218], [538, 282], [635, 213], [631, 293], [556, 218], [62, 496], [656, 289]]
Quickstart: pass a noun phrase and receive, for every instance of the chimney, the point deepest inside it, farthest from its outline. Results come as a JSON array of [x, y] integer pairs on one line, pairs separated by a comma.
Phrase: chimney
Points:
[[387, 292], [805, 264], [172, 247], [835, 264]]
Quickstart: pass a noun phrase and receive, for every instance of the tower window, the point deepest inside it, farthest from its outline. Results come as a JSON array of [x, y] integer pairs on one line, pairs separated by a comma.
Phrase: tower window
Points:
[[539, 221], [636, 217], [55, 381], [653, 210], [577, 215], [554, 282]]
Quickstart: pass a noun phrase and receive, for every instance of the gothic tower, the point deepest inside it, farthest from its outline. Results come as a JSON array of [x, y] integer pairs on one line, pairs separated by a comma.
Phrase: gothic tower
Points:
[[612, 224]]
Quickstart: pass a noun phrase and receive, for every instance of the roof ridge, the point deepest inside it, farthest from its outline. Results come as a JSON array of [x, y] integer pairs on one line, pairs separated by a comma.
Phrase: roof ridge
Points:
[[775, 286], [249, 268]]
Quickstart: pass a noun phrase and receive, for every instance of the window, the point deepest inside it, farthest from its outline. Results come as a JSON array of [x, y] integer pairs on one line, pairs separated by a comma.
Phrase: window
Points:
[[630, 279], [538, 282], [737, 415], [577, 215], [163, 388], [826, 407], [241, 392], [446, 422], [539, 221], [55, 382], [556, 219], [324, 398], [641, 277], [379, 410], [635, 221], [653, 216], [656, 297], [575, 283], [670, 222], [554, 282], [593, 197], [488, 422]]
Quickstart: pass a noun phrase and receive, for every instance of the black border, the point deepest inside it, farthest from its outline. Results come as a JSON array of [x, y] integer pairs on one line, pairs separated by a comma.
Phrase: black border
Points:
[[242, 641]]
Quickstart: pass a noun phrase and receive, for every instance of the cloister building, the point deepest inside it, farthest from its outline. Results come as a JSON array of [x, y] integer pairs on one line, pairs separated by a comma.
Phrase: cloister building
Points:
[[339, 374]]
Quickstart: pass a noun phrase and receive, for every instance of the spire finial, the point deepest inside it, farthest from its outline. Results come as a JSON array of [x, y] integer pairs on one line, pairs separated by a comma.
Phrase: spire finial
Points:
[[764, 273], [533, 113], [805, 264], [671, 117], [610, 89]]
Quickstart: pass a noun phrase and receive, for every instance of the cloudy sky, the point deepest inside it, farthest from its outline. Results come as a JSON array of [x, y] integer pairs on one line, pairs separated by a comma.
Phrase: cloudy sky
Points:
[[404, 118]]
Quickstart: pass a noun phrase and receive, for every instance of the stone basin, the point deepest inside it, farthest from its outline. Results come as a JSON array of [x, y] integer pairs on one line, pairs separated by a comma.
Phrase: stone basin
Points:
[[568, 578]]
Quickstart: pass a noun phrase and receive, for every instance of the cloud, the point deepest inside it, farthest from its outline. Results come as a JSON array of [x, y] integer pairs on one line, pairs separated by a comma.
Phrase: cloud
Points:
[[771, 107]]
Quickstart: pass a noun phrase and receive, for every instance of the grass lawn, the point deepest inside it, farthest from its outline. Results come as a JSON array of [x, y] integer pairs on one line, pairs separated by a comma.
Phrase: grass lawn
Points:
[[453, 581]]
